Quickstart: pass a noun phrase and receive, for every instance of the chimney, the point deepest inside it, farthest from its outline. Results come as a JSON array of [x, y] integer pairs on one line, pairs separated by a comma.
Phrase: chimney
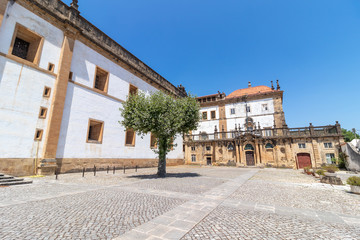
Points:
[[272, 85], [277, 85], [249, 84], [75, 4]]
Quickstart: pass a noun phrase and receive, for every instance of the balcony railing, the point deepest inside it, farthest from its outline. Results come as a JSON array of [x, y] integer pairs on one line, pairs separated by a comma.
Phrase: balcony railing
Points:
[[330, 130]]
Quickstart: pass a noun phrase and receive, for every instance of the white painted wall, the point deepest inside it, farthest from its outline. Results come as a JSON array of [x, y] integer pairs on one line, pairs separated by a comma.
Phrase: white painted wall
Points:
[[21, 95], [265, 117], [209, 124], [53, 37], [82, 104]]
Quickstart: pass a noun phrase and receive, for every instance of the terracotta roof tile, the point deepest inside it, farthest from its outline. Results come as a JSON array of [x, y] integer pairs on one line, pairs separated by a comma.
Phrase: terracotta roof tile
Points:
[[250, 91]]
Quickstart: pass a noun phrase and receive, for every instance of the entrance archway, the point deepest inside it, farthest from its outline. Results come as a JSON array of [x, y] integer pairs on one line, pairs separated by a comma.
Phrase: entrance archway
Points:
[[304, 160]]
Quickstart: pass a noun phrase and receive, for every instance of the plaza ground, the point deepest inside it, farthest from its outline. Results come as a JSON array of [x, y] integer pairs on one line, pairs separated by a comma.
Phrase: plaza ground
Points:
[[191, 203]]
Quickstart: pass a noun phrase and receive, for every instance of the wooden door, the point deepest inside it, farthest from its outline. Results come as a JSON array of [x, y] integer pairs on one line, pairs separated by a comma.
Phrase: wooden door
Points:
[[250, 161], [304, 160]]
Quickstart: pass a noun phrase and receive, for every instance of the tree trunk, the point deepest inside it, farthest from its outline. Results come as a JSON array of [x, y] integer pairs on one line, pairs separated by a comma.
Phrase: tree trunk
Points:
[[162, 157]]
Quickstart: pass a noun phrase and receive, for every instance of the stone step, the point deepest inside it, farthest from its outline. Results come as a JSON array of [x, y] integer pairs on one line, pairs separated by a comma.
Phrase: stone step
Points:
[[6, 177], [11, 180], [15, 183]]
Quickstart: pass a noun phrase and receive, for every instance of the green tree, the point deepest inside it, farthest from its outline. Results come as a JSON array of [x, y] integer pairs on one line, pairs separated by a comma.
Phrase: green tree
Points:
[[348, 135], [162, 115]]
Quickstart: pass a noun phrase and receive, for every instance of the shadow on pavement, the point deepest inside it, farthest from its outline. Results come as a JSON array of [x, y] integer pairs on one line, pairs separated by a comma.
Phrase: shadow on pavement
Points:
[[168, 175]]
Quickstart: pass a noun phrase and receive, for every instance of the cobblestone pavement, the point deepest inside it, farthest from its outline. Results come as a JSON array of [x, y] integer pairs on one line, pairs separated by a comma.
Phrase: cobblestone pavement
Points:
[[191, 203], [232, 223]]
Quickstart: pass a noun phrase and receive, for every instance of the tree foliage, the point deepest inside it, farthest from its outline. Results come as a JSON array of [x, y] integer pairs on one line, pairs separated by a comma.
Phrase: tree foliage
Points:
[[162, 115], [349, 135]]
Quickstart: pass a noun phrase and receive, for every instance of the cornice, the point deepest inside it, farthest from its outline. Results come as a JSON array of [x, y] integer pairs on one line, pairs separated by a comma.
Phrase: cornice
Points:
[[67, 17]]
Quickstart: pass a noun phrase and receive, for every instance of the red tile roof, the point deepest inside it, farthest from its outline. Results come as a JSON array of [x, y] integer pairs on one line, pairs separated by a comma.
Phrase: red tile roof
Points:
[[250, 91]]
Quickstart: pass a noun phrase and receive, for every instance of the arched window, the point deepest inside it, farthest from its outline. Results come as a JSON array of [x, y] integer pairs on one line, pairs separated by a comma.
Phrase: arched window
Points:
[[269, 145], [249, 147]]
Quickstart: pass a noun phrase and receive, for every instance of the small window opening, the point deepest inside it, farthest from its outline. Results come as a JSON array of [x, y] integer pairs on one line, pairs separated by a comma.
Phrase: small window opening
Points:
[[101, 79], [46, 92], [213, 115], [193, 148], [95, 131], [70, 75], [26, 44], [193, 158], [130, 137], [232, 111], [208, 148], [204, 115], [43, 112], [51, 67], [133, 90], [38, 134], [153, 141]]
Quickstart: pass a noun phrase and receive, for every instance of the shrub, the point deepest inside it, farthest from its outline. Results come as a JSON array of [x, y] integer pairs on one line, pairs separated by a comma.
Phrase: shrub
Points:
[[355, 181], [342, 160], [331, 168], [320, 172]]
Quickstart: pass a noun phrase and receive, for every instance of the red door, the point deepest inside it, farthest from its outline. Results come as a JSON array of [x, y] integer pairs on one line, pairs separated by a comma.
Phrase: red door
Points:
[[304, 160]]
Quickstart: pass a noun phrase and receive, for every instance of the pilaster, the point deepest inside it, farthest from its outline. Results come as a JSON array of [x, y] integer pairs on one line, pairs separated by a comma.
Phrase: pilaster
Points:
[[3, 5], [58, 101]]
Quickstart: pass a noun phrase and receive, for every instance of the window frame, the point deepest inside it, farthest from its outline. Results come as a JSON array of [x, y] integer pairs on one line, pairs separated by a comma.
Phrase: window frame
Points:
[[302, 145], [43, 116], [328, 145], [133, 140], [100, 138], [211, 114], [204, 114], [22, 30], [232, 111], [193, 157], [106, 85], [133, 87]]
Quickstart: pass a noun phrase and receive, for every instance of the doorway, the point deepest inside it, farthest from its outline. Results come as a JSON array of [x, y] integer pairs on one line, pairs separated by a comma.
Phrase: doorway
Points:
[[250, 160], [208, 160], [304, 160]]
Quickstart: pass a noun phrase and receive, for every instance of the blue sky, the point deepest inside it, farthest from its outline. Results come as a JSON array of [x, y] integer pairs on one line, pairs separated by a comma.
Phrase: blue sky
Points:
[[312, 47]]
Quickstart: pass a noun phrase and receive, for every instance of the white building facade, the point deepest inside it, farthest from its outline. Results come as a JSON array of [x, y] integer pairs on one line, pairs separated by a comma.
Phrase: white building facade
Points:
[[62, 82]]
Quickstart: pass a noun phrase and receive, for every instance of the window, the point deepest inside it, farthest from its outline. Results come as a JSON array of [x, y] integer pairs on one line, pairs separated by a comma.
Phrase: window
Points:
[[213, 114], [70, 75], [204, 115], [133, 90], [46, 92], [328, 145], [268, 132], [193, 148], [230, 147], [232, 111], [51, 67], [208, 148], [153, 141], [269, 145], [330, 158], [95, 131], [249, 147], [264, 107], [247, 108], [193, 158], [42, 113], [38, 134], [26, 44], [302, 145], [130, 137], [101, 79]]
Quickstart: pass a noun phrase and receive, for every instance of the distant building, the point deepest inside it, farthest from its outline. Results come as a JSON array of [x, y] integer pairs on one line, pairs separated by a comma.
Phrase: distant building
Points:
[[62, 82], [248, 128]]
